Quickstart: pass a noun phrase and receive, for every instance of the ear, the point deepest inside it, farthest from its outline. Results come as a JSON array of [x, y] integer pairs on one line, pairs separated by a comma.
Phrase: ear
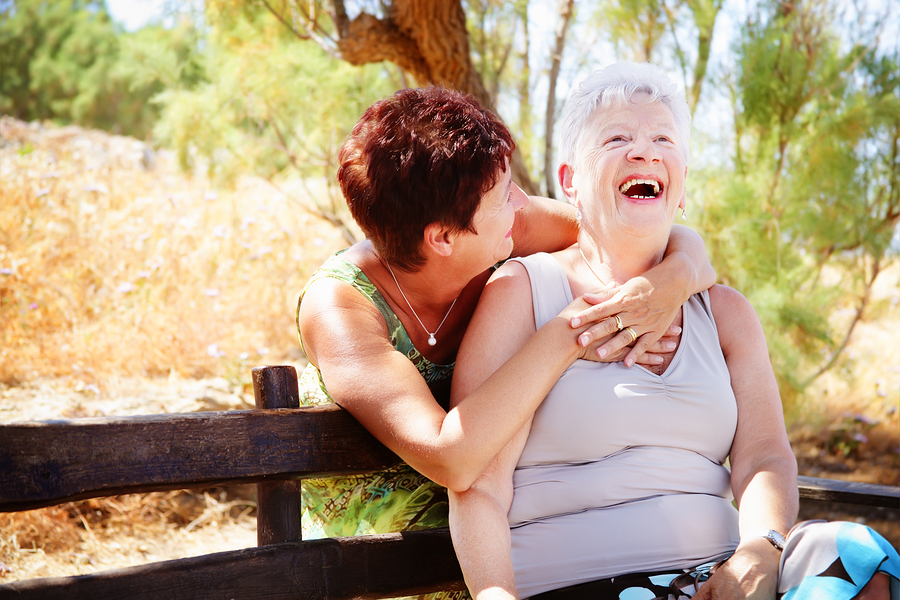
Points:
[[438, 239], [565, 175]]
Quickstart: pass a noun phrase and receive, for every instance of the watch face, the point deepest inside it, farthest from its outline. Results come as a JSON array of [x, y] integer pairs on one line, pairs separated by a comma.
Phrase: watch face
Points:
[[776, 538]]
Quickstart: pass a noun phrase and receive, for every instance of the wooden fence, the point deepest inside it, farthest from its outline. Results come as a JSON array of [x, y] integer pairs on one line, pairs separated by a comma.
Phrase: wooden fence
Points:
[[276, 445]]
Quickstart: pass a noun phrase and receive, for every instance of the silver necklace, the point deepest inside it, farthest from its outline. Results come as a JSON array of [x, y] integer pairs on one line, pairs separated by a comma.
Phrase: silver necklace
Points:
[[431, 339], [588, 265]]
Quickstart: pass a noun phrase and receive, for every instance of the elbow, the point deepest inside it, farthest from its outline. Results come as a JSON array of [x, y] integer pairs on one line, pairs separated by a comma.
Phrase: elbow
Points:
[[457, 480], [451, 472]]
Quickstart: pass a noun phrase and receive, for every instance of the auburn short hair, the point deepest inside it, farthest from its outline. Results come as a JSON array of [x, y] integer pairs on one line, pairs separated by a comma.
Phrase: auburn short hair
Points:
[[421, 156]]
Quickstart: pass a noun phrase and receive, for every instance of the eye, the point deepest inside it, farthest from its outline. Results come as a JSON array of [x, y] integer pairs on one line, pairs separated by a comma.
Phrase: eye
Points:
[[664, 138]]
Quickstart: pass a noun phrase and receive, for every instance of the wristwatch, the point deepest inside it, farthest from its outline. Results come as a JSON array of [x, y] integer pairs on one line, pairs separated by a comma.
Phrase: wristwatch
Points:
[[775, 538]]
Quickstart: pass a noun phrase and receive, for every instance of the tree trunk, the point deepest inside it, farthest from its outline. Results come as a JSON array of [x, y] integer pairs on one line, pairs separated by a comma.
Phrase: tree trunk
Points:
[[428, 40], [566, 11]]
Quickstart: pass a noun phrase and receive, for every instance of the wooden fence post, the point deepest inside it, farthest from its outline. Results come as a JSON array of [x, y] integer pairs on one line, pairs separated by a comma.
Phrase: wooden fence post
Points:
[[277, 502]]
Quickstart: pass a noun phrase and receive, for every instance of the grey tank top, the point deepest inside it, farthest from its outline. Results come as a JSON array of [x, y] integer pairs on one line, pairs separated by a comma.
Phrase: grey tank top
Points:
[[623, 471]]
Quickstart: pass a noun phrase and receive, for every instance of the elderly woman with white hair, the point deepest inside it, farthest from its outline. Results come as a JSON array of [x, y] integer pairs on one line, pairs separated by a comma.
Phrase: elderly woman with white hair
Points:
[[621, 485]]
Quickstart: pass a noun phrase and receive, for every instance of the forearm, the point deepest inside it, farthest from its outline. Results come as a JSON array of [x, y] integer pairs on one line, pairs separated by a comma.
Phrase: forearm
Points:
[[480, 532], [768, 498], [545, 225], [483, 420], [685, 269]]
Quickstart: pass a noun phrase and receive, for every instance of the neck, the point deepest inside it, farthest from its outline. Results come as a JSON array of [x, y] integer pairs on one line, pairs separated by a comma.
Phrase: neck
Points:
[[618, 261], [430, 289]]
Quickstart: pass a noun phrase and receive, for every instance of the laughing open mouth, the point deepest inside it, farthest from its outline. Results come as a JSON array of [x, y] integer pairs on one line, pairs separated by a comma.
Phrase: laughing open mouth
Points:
[[641, 188]]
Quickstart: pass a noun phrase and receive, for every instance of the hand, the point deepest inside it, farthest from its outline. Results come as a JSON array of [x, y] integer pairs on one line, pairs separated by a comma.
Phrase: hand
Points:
[[652, 357], [751, 573], [633, 304]]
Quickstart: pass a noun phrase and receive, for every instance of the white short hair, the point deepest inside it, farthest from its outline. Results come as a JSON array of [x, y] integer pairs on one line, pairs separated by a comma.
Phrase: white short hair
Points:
[[614, 85]]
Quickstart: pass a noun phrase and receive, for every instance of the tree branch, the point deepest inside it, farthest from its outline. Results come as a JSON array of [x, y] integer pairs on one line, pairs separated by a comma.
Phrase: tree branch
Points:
[[857, 317]]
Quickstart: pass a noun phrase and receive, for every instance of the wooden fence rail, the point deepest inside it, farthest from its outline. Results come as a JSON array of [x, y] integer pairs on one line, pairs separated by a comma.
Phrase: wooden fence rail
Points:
[[52, 462]]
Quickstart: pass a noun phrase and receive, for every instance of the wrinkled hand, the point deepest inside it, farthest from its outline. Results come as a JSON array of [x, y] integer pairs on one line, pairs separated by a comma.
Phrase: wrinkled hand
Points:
[[752, 573], [592, 336], [649, 316], [653, 356]]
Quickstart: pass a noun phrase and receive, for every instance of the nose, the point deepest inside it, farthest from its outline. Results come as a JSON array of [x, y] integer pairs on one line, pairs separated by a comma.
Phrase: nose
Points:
[[520, 198], [644, 150]]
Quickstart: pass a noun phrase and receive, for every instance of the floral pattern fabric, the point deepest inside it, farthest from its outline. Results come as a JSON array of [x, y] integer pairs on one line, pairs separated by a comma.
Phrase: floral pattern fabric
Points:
[[399, 499]]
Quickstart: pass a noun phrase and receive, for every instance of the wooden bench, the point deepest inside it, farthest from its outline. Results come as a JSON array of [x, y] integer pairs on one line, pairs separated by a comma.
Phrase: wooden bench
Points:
[[51, 462]]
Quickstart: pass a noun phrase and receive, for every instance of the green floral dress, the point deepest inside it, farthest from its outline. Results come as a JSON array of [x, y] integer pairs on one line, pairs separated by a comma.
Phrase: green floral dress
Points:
[[399, 499]]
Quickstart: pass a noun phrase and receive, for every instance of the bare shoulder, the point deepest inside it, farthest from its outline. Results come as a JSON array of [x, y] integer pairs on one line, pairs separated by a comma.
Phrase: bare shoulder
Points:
[[503, 322], [727, 300], [333, 310], [507, 287], [736, 320]]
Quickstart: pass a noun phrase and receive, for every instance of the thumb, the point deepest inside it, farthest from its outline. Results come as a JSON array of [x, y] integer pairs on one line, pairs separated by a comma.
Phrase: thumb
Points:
[[599, 296]]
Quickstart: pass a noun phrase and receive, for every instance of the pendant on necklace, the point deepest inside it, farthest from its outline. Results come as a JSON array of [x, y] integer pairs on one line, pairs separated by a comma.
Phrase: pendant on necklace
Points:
[[431, 340]]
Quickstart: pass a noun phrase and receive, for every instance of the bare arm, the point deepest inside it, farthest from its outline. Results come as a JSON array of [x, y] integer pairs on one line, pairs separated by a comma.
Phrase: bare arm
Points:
[[545, 225], [480, 529], [763, 467], [649, 303], [346, 338], [478, 516]]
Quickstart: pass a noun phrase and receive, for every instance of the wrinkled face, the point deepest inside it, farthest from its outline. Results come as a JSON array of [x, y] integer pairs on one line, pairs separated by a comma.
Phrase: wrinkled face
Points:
[[630, 172], [493, 222]]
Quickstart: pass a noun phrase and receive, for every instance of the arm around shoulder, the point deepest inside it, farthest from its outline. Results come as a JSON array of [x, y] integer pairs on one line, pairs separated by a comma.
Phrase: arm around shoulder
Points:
[[545, 225], [686, 246]]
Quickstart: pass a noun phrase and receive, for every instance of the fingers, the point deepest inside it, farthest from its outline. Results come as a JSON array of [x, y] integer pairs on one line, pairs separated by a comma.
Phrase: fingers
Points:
[[594, 314], [601, 330], [673, 331], [662, 346], [620, 341], [649, 359], [653, 356], [645, 346]]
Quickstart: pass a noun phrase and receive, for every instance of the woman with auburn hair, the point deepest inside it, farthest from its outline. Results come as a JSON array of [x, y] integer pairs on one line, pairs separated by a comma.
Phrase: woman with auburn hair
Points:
[[426, 176]]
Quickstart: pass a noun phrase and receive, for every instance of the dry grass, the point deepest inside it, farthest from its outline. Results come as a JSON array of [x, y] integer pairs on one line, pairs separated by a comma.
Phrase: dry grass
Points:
[[116, 269], [113, 263], [93, 535]]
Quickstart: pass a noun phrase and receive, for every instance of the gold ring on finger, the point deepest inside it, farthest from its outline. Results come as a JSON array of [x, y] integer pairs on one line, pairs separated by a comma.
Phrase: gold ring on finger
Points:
[[618, 323], [633, 335]]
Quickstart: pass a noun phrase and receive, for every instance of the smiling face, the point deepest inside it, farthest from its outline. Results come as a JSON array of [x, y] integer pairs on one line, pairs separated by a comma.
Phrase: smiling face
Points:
[[629, 174], [493, 221]]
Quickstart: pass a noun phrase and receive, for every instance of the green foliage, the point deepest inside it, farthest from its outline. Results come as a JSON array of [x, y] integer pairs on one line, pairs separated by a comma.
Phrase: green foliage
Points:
[[262, 102], [64, 61], [634, 26], [814, 188]]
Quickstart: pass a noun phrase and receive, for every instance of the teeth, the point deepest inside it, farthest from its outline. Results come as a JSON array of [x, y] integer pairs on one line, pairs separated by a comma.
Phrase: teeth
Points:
[[633, 182]]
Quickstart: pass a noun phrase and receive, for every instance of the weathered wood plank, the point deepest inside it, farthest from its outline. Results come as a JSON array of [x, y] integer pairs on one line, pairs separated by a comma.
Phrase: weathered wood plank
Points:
[[832, 490], [278, 517], [381, 566], [50, 462]]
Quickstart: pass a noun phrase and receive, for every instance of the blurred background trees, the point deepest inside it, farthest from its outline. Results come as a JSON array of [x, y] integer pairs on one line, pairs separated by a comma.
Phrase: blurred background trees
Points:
[[795, 172]]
